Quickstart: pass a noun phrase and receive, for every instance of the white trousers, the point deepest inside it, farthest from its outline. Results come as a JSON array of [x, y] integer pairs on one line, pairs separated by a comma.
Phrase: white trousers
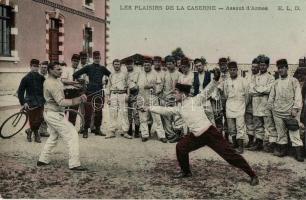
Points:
[[58, 125], [282, 133], [118, 114]]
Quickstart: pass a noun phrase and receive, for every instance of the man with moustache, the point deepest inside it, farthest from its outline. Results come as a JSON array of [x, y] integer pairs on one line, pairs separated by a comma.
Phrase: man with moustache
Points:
[[172, 124], [58, 125], [235, 90], [263, 119], [133, 115], [285, 101], [95, 73], [30, 95], [149, 85], [117, 97], [249, 108], [68, 81]]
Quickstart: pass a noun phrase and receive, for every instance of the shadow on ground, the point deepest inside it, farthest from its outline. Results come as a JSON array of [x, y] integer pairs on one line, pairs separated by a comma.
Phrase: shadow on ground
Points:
[[20, 178]]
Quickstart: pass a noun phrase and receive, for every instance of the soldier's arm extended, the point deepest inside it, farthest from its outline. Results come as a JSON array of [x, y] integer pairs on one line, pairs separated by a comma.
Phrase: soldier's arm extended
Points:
[[161, 110]]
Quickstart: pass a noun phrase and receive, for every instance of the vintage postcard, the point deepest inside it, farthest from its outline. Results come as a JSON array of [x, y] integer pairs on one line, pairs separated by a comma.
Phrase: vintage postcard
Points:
[[152, 99]]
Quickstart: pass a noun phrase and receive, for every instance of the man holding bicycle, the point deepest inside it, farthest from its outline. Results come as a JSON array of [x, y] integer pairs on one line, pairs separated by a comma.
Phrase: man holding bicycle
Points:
[[30, 95], [58, 125]]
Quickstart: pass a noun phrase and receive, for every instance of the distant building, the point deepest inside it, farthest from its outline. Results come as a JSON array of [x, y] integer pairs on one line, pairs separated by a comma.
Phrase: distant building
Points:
[[48, 30]]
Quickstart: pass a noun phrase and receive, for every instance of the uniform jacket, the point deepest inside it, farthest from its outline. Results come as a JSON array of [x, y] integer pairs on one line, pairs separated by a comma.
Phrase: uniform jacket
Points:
[[30, 90]]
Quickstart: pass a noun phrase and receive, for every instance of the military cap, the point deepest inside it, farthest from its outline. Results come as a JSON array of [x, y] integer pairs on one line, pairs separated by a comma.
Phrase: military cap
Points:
[[147, 60], [34, 62], [75, 57], [170, 59], [83, 54], [282, 63], [222, 60], [232, 64], [263, 59], [96, 53], [185, 61]]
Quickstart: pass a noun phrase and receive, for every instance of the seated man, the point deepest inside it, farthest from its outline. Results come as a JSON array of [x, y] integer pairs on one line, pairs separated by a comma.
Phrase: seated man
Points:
[[201, 132]]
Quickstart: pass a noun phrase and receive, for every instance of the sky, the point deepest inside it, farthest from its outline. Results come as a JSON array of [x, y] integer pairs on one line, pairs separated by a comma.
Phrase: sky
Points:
[[241, 35]]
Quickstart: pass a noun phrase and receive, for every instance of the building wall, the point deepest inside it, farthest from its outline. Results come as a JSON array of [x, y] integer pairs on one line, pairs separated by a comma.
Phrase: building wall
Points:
[[30, 42]]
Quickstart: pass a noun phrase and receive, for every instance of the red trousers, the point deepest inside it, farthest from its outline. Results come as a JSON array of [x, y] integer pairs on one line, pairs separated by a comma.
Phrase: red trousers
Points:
[[36, 118], [214, 139]]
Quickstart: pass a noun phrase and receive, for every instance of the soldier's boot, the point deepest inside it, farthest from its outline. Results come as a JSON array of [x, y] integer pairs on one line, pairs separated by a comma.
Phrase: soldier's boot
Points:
[[298, 154], [150, 127], [235, 142], [137, 132], [282, 150], [270, 147], [250, 142], [29, 134], [85, 132], [226, 136], [37, 137], [258, 145], [240, 146], [130, 131], [276, 150], [98, 132]]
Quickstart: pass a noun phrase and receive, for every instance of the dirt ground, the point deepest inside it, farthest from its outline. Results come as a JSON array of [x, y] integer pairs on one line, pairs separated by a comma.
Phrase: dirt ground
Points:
[[121, 168]]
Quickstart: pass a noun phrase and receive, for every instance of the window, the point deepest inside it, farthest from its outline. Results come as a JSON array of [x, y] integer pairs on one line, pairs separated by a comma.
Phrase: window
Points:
[[88, 41], [89, 4], [54, 40], [5, 30]]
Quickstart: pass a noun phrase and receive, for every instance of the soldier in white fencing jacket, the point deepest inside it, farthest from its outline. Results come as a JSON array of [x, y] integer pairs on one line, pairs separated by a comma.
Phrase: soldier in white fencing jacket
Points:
[[117, 98], [236, 94], [249, 107], [285, 101], [263, 119], [133, 115], [58, 125], [149, 85], [171, 124]]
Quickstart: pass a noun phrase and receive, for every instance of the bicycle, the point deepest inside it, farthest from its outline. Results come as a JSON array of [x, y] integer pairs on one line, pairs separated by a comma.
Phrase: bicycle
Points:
[[16, 122]]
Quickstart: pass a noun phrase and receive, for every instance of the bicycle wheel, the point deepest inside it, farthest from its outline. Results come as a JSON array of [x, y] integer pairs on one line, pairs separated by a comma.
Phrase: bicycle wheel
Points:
[[79, 123], [13, 125]]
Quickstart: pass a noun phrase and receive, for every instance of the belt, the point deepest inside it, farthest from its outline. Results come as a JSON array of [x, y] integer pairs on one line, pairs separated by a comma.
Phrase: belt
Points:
[[118, 91]]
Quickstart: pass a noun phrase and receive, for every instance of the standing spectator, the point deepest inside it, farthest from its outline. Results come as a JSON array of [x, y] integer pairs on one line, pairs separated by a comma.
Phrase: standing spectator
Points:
[[236, 94], [30, 95], [219, 100], [171, 123], [43, 70], [285, 101], [68, 81], [95, 73], [149, 84], [249, 109], [133, 115], [263, 119], [200, 81], [117, 97]]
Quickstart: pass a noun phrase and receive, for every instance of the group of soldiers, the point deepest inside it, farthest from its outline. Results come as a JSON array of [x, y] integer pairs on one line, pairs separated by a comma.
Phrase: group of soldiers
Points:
[[257, 112]]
